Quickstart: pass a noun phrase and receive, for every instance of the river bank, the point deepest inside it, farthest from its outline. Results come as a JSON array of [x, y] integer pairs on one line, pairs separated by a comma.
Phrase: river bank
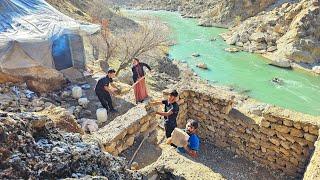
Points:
[[283, 31], [246, 73]]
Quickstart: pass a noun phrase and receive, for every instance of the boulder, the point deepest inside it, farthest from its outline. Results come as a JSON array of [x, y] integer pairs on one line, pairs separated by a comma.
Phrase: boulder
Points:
[[38, 79], [196, 55], [232, 49], [244, 37], [89, 125], [202, 66], [62, 119], [233, 39], [65, 94], [316, 69], [272, 48], [239, 43], [73, 75], [83, 102], [258, 37], [125, 76], [283, 63], [134, 166]]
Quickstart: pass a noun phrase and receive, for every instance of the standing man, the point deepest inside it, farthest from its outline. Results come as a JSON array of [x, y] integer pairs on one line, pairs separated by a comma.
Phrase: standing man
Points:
[[170, 113], [104, 89]]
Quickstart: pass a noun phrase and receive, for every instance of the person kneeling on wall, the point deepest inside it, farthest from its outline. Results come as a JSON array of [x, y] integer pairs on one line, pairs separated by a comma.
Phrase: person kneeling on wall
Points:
[[191, 146]]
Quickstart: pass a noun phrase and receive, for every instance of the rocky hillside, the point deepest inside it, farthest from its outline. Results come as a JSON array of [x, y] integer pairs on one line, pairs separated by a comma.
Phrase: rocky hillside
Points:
[[283, 30], [289, 32], [86, 10], [213, 12]]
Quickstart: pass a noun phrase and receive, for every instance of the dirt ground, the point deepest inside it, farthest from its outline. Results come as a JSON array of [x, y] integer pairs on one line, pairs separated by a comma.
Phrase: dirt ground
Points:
[[231, 166], [148, 153], [224, 162]]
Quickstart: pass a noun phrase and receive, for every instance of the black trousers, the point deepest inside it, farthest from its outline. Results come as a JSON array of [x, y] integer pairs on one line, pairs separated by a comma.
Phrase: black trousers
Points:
[[105, 99], [169, 129]]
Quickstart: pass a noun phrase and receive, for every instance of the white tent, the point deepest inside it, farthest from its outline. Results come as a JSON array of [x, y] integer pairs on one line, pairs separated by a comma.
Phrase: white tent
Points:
[[33, 33]]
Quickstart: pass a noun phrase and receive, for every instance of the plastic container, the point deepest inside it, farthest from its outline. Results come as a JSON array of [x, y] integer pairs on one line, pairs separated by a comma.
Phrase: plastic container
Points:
[[76, 92], [102, 115]]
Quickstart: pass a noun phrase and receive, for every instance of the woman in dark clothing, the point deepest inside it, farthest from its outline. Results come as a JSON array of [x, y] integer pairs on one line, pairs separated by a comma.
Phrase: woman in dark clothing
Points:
[[140, 90]]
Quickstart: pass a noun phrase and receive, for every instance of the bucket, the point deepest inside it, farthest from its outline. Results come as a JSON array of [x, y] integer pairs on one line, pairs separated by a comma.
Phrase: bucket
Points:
[[76, 92], [102, 115]]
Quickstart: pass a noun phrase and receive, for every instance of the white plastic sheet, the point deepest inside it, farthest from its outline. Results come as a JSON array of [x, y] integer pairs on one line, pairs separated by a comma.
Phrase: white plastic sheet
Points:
[[28, 28]]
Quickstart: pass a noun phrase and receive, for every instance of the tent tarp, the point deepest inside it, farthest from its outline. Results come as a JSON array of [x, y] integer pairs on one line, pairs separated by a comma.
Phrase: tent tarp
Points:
[[29, 28], [32, 20]]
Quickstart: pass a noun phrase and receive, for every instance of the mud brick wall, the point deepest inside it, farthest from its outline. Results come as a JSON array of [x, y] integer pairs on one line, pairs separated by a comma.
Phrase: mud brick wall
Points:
[[121, 133], [279, 139]]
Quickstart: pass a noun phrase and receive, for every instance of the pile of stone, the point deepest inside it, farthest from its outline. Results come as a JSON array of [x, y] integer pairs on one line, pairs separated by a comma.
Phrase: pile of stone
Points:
[[64, 106], [32, 148]]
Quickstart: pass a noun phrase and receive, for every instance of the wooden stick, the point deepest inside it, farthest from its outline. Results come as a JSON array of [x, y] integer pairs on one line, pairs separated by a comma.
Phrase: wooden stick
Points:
[[131, 87], [136, 152], [137, 81]]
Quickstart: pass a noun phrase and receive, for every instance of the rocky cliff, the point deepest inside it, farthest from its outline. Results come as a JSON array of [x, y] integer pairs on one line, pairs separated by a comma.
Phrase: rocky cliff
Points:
[[212, 12], [288, 32]]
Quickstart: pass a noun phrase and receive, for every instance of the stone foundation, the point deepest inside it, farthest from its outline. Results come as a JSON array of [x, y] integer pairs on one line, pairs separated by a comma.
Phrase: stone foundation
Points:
[[278, 138], [121, 133]]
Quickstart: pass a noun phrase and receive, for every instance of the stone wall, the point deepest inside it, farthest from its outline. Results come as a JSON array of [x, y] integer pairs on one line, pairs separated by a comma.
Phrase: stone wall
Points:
[[121, 133], [313, 170], [277, 138]]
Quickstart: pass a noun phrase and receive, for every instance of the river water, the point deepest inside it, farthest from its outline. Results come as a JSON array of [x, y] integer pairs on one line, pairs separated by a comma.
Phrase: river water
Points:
[[245, 72]]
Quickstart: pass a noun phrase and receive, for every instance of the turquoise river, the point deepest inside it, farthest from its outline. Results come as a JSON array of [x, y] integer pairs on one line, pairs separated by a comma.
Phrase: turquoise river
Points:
[[243, 71]]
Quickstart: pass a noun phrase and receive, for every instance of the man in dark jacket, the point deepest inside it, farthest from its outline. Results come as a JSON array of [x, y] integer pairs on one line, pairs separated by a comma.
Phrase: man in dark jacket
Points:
[[170, 113], [104, 89]]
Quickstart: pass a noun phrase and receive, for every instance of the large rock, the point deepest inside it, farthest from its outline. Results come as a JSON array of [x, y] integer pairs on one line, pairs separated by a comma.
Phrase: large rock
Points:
[[38, 79], [202, 66], [125, 76], [232, 40], [232, 49], [62, 119], [283, 63], [316, 69], [195, 54], [258, 37]]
